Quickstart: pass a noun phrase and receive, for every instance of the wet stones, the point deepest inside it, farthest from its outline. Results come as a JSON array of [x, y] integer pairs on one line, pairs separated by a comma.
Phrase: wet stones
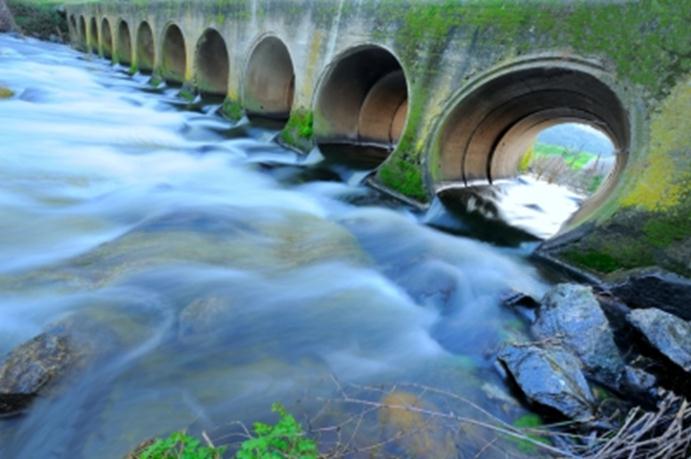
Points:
[[550, 376], [572, 314], [29, 369], [666, 333], [656, 288]]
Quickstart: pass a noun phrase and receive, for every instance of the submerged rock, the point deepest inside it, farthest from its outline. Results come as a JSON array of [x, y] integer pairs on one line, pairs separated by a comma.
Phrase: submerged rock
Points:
[[403, 415], [67, 345], [32, 367], [6, 93], [203, 317], [668, 334], [656, 288], [572, 314], [551, 376]]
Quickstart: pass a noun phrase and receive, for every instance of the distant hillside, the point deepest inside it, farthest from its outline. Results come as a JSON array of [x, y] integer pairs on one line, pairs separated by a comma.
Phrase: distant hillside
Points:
[[577, 137]]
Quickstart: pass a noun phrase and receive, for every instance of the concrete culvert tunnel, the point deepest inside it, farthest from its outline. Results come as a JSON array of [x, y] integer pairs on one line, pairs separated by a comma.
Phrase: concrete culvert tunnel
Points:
[[212, 64], [486, 134], [269, 83], [174, 60], [145, 48], [124, 43], [363, 100], [93, 35], [106, 39]]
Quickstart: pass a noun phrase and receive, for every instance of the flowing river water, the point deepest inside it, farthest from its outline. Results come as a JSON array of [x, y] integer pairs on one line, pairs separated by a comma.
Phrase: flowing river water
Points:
[[214, 272]]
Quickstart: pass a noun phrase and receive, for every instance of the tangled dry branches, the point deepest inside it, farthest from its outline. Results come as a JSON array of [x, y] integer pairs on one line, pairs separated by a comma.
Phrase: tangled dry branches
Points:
[[353, 424]]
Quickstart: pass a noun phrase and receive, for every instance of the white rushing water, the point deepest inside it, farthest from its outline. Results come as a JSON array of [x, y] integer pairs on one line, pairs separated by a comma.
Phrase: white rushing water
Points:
[[215, 271]]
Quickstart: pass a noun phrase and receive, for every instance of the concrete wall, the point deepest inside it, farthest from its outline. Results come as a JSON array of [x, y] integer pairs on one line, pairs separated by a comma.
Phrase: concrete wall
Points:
[[481, 78]]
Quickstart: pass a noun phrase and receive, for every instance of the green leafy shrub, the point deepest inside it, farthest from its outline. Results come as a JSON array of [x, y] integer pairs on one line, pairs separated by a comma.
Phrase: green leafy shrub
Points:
[[284, 440], [179, 445]]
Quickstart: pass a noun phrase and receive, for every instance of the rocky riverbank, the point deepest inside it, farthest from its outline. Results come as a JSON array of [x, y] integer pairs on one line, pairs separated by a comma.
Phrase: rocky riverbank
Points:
[[590, 341]]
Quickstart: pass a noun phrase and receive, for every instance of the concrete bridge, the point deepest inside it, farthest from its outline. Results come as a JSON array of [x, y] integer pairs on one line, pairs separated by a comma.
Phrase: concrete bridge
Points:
[[456, 90]]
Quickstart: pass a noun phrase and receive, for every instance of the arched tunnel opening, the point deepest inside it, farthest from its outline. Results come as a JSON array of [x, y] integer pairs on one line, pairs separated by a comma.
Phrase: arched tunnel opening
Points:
[[362, 104], [146, 53], [124, 43], [107, 39], [82, 33], [269, 83], [93, 35], [174, 55], [491, 148], [212, 65], [75, 29]]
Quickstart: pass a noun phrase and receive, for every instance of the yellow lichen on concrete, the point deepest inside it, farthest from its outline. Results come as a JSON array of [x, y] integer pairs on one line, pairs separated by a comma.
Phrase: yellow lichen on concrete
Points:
[[662, 180], [313, 57]]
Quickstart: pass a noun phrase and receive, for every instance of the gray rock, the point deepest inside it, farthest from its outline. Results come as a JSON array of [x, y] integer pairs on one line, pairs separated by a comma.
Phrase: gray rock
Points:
[[655, 288], [571, 313], [551, 376], [667, 333], [31, 367], [68, 345]]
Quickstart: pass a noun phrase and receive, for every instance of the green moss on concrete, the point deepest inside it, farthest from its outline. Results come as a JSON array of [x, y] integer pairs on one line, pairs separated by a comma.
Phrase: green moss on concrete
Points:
[[232, 109], [299, 130], [187, 93], [403, 177], [591, 259]]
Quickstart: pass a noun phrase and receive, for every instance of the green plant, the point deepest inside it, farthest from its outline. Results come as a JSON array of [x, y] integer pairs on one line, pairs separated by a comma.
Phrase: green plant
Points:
[[285, 439], [179, 445], [526, 159]]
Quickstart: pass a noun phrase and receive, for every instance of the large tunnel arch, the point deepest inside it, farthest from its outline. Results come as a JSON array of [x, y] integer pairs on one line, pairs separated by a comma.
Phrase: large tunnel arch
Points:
[[174, 55], [124, 43], [362, 99], [212, 63], [106, 39], [93, 35], [490, 127], [269, 80], [146, 49]]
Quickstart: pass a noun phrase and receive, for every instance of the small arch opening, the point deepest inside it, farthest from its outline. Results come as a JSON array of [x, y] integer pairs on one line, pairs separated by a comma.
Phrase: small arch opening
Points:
[[75, 29], [269, 82], [106, 39], [540, 147], [362, 104], [174, 60], [145, 48], [124, 43], [93, 35], [212, 65], [82, 33]]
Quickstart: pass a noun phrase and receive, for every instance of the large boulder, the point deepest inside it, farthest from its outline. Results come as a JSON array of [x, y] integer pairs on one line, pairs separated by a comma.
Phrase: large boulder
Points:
[[551, 376], [655, 288], [665, 332], [572, 314]]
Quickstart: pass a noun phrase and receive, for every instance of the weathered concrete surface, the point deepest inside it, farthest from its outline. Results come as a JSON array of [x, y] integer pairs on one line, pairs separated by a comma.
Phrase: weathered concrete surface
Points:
[[623, 67]]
